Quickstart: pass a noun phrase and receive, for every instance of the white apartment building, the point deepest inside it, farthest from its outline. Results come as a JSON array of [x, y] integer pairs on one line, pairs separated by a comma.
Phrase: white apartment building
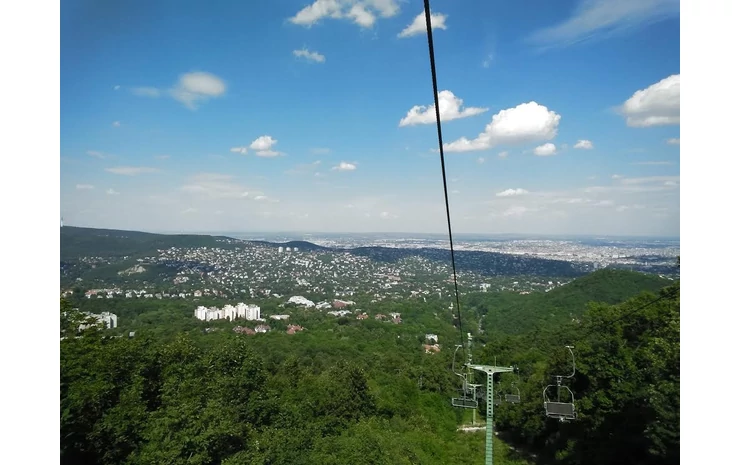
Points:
[[230, 312]]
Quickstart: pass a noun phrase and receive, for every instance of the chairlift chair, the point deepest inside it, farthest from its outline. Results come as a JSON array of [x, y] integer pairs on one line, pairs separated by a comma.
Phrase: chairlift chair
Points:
[[468, 400], [514, 398], [563, 411]]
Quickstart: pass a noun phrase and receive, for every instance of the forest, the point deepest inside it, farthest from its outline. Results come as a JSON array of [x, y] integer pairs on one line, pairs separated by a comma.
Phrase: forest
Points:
[[346, 391]]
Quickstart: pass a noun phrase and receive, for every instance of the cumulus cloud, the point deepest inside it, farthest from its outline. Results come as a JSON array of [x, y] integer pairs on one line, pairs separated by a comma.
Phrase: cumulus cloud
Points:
[[241, 150], [116, 87], [112, 192], [196, 87], [310, 56], [388, 215], [673, 141], [344, 166], [657, 105], [131, 170], [263, 146], [361, 12], [419, 24], [594, 19], [481, 160], [527, 122], [545, 150], [85, 186], [450, 108], [512, 192], [503, 154], [116, 124], [584, 144]]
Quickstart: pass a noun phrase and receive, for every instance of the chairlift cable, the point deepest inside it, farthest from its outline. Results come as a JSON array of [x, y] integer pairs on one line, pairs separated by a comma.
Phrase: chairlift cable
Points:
[[442, 162]]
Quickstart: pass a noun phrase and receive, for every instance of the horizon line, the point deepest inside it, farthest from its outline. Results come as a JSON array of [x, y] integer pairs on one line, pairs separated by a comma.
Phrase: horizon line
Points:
[[443, 234]]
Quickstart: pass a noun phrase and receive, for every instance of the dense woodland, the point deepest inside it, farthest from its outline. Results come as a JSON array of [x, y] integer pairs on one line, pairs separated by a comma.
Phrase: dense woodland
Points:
[[348, 391]]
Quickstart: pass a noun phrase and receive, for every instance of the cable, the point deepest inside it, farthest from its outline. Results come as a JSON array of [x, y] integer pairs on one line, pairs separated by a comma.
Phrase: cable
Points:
[[442, 161]]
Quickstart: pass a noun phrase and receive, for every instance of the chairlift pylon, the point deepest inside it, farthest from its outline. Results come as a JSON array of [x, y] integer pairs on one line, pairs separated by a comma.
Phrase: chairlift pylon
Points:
[[561, 409]]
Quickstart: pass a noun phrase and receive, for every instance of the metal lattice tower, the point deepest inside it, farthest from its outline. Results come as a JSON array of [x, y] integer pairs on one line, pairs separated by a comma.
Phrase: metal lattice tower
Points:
[[489, 370]]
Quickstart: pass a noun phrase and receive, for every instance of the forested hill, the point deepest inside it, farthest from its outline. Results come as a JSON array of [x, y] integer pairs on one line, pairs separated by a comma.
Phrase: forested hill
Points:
[[513, 313], [78, 242]]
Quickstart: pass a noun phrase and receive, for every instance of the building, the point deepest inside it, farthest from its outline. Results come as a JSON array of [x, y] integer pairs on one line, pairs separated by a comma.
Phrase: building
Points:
[[109, 320], [279, 317], [261, 328], [432, 338], [229, 312], [292, 329], [281, 249], [300, 300]]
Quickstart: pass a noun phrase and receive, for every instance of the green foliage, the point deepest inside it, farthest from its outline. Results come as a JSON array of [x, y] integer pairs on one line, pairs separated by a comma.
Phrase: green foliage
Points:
[[364, 392]]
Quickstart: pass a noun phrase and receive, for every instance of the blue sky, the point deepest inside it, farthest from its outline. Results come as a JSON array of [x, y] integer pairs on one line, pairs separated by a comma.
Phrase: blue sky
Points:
[[560, 117]]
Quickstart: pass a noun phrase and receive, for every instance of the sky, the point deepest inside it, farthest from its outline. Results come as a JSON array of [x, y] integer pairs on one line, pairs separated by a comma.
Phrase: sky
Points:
[[558, 117]]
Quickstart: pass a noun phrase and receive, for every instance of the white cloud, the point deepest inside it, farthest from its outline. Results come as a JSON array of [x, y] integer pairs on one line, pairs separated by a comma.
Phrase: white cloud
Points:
[[263, 146], [503, 154], [310, 56], [584, 144], [512, 192], [320, 151], [488, 61], [388, 216], [361, 12], [85, 186], [450, 108], [116, 87], [241, 150], [481, 160], [657, 105], [161, 157], [517, 210], [673, 141], [527, 122], [344, 166], [197, 87], [601, 18], [545, 150], [112, 192], [656, 163], [218, 186], [260, 197], [151, 92], [131, 170], [419, 24], [96, 154], [616, 176], [651, 179], [116, 124]]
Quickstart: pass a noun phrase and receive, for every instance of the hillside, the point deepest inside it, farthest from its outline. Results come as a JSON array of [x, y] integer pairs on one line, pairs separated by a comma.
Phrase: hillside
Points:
[[77, 242], [512, 313]]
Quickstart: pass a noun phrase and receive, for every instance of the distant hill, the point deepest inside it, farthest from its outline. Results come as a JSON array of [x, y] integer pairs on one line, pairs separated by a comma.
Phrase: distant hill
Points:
[[484, 263], [302, 245], [77, 242], [510, 312]]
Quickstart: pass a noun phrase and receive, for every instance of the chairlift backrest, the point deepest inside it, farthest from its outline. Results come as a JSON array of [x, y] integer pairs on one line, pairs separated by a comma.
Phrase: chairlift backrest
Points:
[[561, 410], [513, 398]]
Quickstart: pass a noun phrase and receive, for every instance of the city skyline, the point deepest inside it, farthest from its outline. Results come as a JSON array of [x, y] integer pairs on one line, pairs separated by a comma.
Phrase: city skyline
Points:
[[554, 120]]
